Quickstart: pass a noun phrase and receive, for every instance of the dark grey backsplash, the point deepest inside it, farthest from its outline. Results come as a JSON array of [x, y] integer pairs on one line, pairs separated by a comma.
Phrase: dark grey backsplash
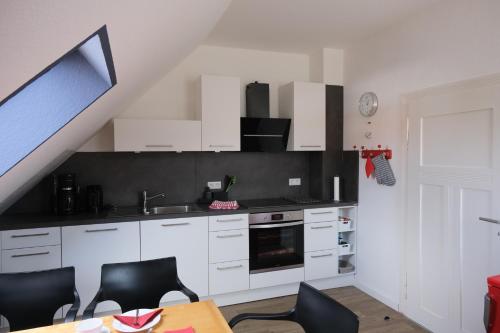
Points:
[[182, 177]]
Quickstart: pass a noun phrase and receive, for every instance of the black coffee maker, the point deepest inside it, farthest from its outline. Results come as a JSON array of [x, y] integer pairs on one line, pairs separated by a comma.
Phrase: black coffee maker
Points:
[[67, 194]]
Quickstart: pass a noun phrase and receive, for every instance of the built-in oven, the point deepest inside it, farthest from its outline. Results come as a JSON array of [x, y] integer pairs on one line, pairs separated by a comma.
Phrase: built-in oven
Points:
[[276, 241]]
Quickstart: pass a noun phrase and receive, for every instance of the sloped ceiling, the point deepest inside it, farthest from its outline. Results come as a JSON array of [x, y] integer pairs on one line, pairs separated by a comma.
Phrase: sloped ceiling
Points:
[[148, 38]]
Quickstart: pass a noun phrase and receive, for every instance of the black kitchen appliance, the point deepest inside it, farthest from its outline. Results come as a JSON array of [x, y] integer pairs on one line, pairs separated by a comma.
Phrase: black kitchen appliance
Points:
[[67, 194], [94, 198], [258, 131], [276, 241]]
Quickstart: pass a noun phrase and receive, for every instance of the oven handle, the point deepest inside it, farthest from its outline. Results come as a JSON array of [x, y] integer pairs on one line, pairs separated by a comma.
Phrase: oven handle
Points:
[[278, 225]]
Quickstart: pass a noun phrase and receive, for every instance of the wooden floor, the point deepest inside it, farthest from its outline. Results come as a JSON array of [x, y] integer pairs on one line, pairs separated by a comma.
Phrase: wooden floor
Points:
[[371, 314]]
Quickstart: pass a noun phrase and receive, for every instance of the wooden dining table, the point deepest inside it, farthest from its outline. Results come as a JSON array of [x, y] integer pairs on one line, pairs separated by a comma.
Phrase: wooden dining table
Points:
[[204, 317]]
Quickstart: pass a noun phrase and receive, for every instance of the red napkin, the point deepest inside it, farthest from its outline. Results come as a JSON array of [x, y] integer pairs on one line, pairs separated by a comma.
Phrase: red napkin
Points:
[[369, 167], [141, 320], [182, 330]]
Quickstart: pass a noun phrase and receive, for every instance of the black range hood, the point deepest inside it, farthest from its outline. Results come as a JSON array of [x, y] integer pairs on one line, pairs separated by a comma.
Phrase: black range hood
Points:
[[264, 134]]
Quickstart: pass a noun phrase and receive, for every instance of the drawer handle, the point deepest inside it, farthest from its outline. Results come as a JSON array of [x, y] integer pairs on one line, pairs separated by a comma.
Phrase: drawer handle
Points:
[[321, 213], [30, 235], [29, 254], [310, 146], [175, 224], [221, 146], [229, 236], [323, 227], [322, 255], [159, 146], [229, 267], [101, 230], [231, 220]]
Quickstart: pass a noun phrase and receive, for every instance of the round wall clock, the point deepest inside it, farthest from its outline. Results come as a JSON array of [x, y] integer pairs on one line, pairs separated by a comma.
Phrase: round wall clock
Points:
[[368, 104]]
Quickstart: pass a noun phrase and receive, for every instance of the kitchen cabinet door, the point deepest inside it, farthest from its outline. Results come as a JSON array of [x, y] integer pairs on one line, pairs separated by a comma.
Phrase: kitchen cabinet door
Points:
[[183, 238], [157, 135], [88, 247], [219, 111], [305, 104]]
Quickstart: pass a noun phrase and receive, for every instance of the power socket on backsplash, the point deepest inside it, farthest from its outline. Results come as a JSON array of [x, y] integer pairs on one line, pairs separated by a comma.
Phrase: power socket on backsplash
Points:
[[214, 185], [294, 182]]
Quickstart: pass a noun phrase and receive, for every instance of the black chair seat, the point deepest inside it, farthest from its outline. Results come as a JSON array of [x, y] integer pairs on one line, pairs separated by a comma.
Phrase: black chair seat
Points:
[[315, 311], [30, 300], [141, 284]]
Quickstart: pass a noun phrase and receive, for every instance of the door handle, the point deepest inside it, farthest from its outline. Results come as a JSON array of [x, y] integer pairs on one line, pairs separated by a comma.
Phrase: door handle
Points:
[[101, 230], [175, 224], [30, 235], [487, 219], [30, 254]]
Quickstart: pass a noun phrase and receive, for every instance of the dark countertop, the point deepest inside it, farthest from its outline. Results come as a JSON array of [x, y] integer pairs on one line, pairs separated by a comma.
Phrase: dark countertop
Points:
[[127, 214]]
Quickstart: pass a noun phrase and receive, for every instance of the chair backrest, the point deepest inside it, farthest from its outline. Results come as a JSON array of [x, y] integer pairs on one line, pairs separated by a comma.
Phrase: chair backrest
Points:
[[139, 284], [31, 299], [318, 313]]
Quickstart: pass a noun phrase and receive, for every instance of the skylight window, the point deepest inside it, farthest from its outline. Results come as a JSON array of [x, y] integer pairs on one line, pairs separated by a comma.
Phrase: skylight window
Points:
[[49, 101]]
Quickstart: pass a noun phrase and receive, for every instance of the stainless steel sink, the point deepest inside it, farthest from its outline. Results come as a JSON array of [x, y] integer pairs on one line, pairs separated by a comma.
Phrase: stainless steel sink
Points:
[[174, 209]]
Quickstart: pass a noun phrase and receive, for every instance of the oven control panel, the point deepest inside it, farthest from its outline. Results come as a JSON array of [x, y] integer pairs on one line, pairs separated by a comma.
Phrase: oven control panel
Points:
[[271, 217]]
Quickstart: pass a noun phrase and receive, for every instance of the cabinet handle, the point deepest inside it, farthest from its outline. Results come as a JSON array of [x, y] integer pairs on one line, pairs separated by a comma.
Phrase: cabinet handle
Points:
[[101, 230], [229, 236], [310, 146], [323, 227], [175, 224], [321, 213], [487, 219], [30, 235], [322, 255], [230, 220], [159, 146], [29, 254], [229, 267], [221, 146]]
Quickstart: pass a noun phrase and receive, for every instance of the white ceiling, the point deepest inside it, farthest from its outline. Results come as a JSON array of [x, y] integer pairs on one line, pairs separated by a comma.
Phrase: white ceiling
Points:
[[306, 25], [148, 38]]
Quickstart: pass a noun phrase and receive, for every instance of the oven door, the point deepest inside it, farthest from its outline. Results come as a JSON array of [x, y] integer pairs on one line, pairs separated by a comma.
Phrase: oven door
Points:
[[276, 246]]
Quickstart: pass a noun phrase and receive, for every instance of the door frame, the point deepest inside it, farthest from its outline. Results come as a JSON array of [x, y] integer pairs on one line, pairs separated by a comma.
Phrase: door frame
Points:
[[475, 82]]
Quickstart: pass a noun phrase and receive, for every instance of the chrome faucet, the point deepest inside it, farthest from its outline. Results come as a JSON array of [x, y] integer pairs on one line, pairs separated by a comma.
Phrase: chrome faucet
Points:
[[146, 199]]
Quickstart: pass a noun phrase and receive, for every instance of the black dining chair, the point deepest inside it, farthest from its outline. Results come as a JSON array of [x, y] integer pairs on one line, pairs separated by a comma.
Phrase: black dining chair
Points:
[[315, 311], [140, 284], [31, 299]]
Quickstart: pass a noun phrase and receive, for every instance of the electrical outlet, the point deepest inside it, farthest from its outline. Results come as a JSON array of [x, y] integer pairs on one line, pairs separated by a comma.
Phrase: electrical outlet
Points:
[[294, 182], [214, 185]]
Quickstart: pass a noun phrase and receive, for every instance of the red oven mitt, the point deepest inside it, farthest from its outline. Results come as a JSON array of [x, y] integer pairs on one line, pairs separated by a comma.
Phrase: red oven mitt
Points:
[[369, 167]]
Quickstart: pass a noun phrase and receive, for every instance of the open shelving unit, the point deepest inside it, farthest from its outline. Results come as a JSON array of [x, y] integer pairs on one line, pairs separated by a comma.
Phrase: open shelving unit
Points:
[[347, 234]]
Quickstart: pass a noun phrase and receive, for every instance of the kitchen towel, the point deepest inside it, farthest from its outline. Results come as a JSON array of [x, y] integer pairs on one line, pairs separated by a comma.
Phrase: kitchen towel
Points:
[[383, 171], [369, 167]]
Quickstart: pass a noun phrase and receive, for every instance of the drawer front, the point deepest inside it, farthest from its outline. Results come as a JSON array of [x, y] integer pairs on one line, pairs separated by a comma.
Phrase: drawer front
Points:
[[31, 259], [17, 239], [321, 264], [228, 245], [228, 222], [229, 277], [320, 236], [320, 215]]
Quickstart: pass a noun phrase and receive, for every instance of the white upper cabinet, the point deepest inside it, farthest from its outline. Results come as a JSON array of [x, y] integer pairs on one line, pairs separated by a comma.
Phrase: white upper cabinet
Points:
[[219, 111], [157, 135], [304, 103]]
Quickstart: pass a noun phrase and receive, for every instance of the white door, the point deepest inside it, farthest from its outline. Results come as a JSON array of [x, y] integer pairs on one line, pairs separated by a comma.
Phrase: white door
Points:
[[453, 179]]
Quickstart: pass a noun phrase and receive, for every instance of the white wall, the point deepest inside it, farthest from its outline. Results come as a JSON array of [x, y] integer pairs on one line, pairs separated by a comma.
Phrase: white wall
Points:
[[174, 96], [454, 41]]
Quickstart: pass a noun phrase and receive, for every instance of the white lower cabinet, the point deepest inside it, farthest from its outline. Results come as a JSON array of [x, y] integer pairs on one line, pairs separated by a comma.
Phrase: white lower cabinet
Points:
[[183, 238], [321, 264], [228, 245], [31, 259], [320, 236], [88, 247], [229, 277]]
